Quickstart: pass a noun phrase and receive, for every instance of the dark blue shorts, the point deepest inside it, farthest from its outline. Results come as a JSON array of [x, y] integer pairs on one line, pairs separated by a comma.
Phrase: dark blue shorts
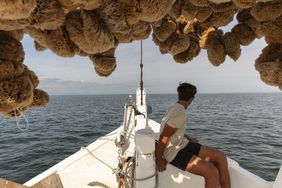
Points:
[[184, 155]]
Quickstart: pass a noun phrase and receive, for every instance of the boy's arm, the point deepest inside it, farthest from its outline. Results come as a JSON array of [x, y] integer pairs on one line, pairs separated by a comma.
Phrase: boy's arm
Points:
[[167, 132]]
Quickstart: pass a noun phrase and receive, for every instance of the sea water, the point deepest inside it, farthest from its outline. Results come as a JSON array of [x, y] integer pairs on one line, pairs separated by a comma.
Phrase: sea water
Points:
[[248, 127]]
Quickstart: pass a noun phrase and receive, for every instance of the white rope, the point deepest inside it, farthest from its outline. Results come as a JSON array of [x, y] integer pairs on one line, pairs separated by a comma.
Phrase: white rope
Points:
[[97, 158], [18, 120]]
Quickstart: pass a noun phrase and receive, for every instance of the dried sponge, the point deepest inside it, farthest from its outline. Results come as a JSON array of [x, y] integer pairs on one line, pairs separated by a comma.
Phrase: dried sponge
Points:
[[267, 11], [244, 3], [11, 49], [82, 4], [269, 64], [154, 10], [180, 43], [88, 32], [104, 63], [200, 3], [232, 45], [222, 7], [165, 30], [16, 9], [190, 53], [112, 12], [244, 33], [48, 14], [40, 98], [59, 42], [204, 37], [17, 92], [215, 47]]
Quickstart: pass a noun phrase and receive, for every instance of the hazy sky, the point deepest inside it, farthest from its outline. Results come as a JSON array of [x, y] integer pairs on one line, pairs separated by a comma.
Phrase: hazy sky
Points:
[[161, 74]]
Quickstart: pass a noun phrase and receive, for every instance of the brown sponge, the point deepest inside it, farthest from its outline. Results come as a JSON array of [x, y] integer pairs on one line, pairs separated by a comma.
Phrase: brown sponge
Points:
[[82, 4], [154, 10], [89, 32], [222, 7], [59, 42], [179, 43], [165, 30], [243, 4], [200, 3], [15, 93], [16, 9], [215, 47], [267, 11], [244, 33], [40, 98], [48, 14], [104, 63], [232, 45]]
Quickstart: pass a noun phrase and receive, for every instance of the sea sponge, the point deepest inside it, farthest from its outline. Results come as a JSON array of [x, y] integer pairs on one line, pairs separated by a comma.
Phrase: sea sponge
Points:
[[38, 35], [38, 47], [82, 4], [104, 63], [222, 7], [40, 98], [179, 43], [89, 32], [31, 75], [16, 34], [48, 14], [272, 52], [215, 47], [138, 31], [273, 31], [270, 72], [11, 50], [204, 37], [203, 13], [267, 11], [188, 10], [154, 10], [59, 42], [177, 8], [165, 30], [190, 53], [200, 3], [243, 4], [112, 12], [141, 31], [191, 26], [232, 45], [244, 15], [244, 33], [16, 9], [269, 64], [9, 25], [17, 92], [219, 19]]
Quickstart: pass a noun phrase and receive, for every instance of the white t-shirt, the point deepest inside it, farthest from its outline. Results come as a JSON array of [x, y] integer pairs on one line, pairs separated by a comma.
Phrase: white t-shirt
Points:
[[176, 118]]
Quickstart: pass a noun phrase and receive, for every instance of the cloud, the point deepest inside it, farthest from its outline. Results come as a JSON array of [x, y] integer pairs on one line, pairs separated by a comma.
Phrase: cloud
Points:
[[67, 87]]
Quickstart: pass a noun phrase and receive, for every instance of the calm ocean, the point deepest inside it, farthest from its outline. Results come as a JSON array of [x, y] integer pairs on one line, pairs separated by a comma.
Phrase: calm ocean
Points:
[[248, 127]]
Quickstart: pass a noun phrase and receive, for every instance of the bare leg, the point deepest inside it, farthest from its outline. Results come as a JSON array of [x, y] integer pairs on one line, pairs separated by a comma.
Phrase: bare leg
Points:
[[206, 169], [220, 161]]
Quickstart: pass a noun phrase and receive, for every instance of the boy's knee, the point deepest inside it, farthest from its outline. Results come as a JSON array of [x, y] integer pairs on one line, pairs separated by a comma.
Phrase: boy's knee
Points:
[[211, 172]]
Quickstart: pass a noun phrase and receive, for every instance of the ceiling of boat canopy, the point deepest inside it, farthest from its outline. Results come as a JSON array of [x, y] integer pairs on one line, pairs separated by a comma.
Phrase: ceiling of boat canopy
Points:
[[95, 28]]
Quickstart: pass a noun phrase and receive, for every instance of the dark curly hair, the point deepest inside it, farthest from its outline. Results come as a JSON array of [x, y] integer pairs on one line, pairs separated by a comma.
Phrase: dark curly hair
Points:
[[186, 91]]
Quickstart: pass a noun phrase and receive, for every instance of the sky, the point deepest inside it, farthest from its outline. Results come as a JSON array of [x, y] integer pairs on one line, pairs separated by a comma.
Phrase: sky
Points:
[[76, 75]]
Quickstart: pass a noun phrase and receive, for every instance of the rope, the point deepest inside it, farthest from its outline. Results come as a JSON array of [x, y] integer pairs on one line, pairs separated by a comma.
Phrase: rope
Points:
[[18, 120], [98, 158], [97, 183], [141, 67]]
